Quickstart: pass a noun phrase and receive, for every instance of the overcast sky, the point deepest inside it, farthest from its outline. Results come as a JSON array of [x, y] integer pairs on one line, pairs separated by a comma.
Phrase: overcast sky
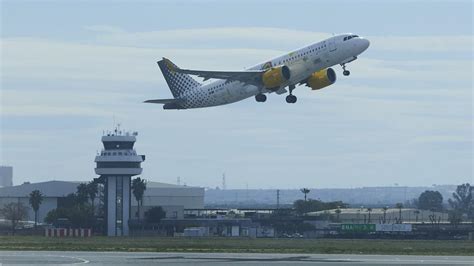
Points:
[[403, 116]]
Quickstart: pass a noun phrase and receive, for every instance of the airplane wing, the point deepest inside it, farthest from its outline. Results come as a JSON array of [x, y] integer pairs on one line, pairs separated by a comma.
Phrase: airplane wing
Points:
[[253, 77]]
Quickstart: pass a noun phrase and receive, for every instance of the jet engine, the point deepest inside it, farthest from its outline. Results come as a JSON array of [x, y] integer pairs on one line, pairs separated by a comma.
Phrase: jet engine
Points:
[[321, 79], [275, 77]]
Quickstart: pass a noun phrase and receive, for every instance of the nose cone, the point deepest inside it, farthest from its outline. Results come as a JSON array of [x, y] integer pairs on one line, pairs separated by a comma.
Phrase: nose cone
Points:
[[364, 43]]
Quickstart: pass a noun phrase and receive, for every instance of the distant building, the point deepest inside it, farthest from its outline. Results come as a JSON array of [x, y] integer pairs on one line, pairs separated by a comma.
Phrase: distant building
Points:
[[379, 215], [52, 191], [171, 197], [6, 176], [366, 196]]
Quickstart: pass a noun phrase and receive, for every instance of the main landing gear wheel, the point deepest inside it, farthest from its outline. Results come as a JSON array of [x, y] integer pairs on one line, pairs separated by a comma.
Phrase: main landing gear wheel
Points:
[[345, 72], [260, 97], [291, 98]]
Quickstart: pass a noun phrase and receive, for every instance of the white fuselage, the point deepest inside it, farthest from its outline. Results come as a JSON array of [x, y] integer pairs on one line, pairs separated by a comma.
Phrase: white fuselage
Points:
[[307, 60]]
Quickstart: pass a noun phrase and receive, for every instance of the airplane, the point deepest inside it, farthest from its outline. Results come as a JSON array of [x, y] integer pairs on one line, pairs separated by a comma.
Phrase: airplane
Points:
[[310, 65]]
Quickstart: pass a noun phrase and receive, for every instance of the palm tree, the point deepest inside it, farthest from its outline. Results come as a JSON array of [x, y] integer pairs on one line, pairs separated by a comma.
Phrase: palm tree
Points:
[[35, 201], [138, 188], [385, 213], [416, 212], [100, 181], [369, 210], [305, 192], [92, 190], [338, 212], [82, 193], [399, 206]]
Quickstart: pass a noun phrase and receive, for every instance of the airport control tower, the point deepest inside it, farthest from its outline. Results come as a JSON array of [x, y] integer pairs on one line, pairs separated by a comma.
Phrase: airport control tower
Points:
[[116, 164]]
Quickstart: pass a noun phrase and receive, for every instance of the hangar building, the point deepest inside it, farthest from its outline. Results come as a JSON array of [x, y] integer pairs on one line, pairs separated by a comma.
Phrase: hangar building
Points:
[[173, 198]]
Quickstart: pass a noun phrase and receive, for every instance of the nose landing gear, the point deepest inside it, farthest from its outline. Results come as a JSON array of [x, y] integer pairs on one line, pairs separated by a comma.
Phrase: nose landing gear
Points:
[[345, 72], [291, 98], [260, 97]]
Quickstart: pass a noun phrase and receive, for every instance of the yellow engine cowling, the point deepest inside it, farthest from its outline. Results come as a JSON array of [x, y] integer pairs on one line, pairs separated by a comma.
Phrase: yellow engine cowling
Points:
[[321, 79], [275, 77]]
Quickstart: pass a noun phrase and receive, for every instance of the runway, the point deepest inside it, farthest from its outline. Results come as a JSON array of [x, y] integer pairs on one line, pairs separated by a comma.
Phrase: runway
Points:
[[149, 258]]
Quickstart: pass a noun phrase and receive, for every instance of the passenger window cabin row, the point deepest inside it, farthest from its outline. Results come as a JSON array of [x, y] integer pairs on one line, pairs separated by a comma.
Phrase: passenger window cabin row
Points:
[[212, 90], [299, 55]]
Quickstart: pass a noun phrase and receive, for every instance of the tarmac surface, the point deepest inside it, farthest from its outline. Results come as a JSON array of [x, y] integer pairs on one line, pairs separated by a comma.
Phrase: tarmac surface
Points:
[[149, 258]]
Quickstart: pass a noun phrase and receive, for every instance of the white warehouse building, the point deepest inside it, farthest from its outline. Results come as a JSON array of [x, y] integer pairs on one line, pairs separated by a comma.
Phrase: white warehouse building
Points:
[[173, 198]]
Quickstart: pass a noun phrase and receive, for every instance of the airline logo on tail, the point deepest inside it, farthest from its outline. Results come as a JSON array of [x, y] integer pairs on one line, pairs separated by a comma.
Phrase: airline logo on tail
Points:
[[171, 67]]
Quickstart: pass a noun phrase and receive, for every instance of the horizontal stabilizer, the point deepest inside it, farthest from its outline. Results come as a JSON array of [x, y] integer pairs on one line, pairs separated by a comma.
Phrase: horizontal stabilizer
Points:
[[163, 101]]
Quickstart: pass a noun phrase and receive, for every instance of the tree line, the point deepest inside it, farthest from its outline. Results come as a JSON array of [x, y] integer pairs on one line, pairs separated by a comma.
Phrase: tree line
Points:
[[461, 205], [78, 209]]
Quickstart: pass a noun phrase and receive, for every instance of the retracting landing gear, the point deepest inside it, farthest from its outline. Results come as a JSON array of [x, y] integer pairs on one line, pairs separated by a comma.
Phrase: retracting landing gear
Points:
[[291, 98], [260, 97], [345, 72]]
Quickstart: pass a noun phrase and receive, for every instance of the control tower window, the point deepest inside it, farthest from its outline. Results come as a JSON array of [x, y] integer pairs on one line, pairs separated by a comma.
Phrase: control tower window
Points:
[[118, 164], [116, 145], [350, 37]]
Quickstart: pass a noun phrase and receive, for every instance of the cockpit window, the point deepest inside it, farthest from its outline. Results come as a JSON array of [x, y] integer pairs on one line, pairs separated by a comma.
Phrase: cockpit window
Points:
[[350, 37]]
